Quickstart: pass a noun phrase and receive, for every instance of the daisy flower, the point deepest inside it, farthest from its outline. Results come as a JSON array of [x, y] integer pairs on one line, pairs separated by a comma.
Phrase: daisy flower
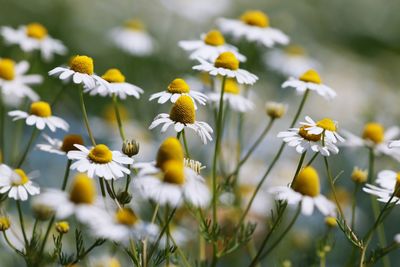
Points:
[[13, 81], [177, 88], [79, 71], [310, 80], [133, 38], [232, 96], [305, 191], [40, 115], [388, 184], [17, 183], [100, 161], [375, 136], [31, 37], [254, 26], [326, 127], [304, 141], [60, 147], [181, 116], [292, 61], [210, 47], [117, 86], [78, 200], [226, 65], [168, 181]]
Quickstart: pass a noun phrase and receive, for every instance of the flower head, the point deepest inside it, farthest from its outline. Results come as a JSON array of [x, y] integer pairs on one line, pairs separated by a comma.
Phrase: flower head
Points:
[[17, 183]]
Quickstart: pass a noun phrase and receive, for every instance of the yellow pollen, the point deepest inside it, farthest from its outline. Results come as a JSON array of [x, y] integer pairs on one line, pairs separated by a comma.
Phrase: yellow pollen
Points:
[[36, 30], [113, 76], [174, 172], [126, 216], [178, 86], [41, 109], [311, 76], [134, 25], [7, 69], [295, 50], [100, 154], [170, 149], [4, 223], [310, 137], [255, 18], [183, 110], [231, 86], [214, 38], [69, 141], [82, 64], [23, 177], [83, 190], [227, 60], [307, 182], [374, 132], [327, 124], [359, 176], [62, 227]]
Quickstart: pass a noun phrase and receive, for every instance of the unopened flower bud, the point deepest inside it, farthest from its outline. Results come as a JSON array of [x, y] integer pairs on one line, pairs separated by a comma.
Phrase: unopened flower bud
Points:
[[359, 176], [275, 110], [62, 227], [331, 221], [124, 197], [42, 212], [130, 148], [4, 223]]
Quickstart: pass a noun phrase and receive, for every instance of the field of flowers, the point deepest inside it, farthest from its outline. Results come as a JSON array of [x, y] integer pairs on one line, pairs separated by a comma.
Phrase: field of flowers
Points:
[[199, 133]]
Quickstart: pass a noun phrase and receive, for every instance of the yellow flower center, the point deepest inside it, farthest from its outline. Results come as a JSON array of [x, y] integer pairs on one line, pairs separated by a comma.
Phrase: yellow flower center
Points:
[[331, 221], [310, 137], [114, 262], [41, 109], [100, 154], [359, 176], [23, 177], [83, 190], [397, 186], [215, 38], [327, 124], [227, 60], [126, 216], [231, 86], [178, 86], [255, 18], [4, 223], [113, 76], [183, 110], [170, 149], [174, 172], [69, 141], [7, 69], [295, 50], [82, 64], [62, 227], [134, 25], [311, 76], [307, 182], [36, 30], [374, 132]]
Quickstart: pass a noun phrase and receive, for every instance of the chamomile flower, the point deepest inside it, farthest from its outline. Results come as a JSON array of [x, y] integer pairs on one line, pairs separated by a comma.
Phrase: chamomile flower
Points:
[[168, 181], [78, 200], [133, 38], [14, 83], [17, 184], [226, 65], [40, 115], [209, 47], [233, 97], [181, 116], [375, 136], [292, 61], [60, 147], [79, 71], [116, 86], [326, 127], [31, 37], [388, 184], [310, 80], [305, 191], [100, 161], [253, 25], [177, 88], [304, 141]]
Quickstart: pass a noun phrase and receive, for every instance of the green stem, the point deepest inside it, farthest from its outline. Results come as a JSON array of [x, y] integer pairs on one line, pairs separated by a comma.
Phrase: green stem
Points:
[[303, 155], [21, 221], [167, 234], [85, 116], [118, 116], [332, 186], [185, 144], [102, 189], [353, 207], [180, 252], [312, 159], [128, 180], [10, 244], [28, 147], [66, 174], [2, 128]]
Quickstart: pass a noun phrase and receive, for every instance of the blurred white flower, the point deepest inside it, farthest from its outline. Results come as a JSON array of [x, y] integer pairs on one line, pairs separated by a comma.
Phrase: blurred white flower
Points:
[[17, 184]]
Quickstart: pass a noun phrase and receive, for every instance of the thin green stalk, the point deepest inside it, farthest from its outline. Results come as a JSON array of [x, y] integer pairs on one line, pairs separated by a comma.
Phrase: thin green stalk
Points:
[[353, 206], [85, 116], [167, 234], [312, 159], [102, 189], [21, 221], [303, 155], [28, 147], [128, 179], [185, 144], [332, 186], [180, 252], [2, 128], [118, 116], [34, 227], [153, 219], [11, 245], [66, 174]]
